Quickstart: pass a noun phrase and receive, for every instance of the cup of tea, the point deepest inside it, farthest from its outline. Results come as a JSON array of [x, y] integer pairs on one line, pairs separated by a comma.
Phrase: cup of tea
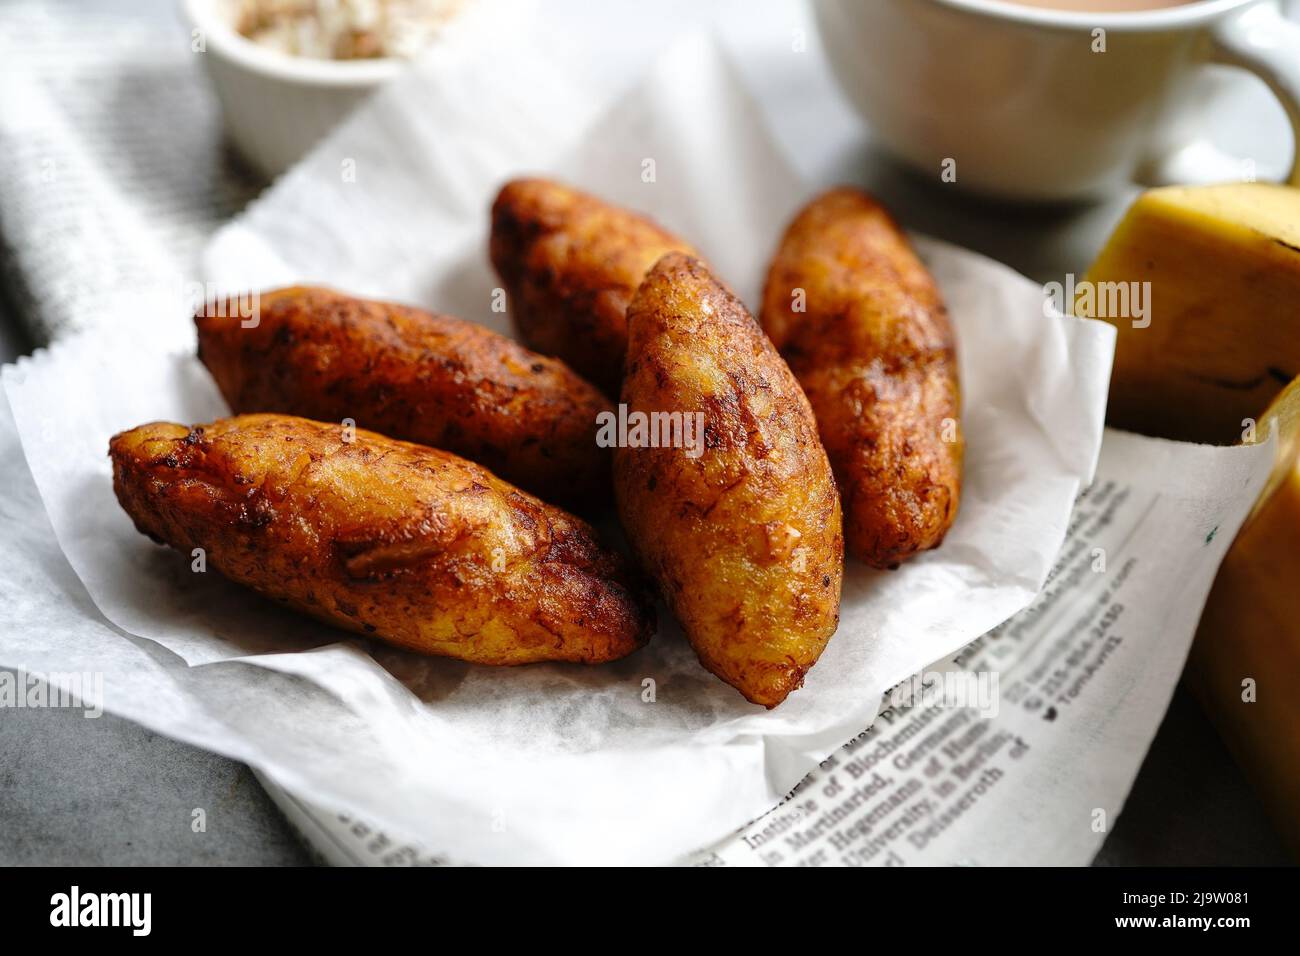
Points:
[[1055, 99]]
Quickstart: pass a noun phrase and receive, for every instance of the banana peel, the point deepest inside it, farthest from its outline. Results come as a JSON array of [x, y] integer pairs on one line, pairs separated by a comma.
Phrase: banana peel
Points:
[[1202, 285], [1217, 272], [1244, 666]]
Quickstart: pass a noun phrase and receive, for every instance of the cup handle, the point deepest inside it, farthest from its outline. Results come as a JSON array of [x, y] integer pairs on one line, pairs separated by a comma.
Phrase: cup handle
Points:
[[1259, 39]]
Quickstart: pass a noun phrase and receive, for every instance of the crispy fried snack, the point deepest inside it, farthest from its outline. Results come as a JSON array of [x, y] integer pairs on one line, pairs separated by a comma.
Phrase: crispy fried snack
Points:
[[861, 323], [405, 543], [415, 375], [742, 531], [570, 264]]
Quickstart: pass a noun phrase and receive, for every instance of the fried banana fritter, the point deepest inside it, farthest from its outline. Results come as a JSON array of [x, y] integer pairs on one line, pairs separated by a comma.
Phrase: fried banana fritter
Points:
[[571, 264], [414, 375], [412, 545], [863, 326], [742, 532]]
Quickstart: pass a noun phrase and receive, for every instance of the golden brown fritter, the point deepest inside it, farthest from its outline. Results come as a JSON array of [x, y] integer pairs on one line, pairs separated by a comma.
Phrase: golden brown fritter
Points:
[[414, 375], [571, 264], [381, 537], [742, 531], [862, 324]]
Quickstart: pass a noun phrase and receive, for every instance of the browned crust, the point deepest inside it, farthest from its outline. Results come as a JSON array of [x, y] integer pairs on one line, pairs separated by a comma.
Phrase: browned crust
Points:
[[745, 540], [570, 264], [876, 355], [415, 375], [408, 544]]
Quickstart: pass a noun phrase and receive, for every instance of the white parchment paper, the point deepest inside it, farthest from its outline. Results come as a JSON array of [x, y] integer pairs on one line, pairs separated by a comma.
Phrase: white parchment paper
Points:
[[545, 763]]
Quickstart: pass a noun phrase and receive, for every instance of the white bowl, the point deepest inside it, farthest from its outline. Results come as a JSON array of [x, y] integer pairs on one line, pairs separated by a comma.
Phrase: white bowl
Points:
[[277, 106]]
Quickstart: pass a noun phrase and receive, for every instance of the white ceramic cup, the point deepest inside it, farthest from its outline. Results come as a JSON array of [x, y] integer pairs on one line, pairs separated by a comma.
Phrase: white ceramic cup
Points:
[[1032, 103], [276, 106]]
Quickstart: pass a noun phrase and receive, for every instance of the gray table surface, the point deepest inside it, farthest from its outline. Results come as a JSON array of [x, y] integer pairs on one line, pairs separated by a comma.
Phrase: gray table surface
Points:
[[106, 791]]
